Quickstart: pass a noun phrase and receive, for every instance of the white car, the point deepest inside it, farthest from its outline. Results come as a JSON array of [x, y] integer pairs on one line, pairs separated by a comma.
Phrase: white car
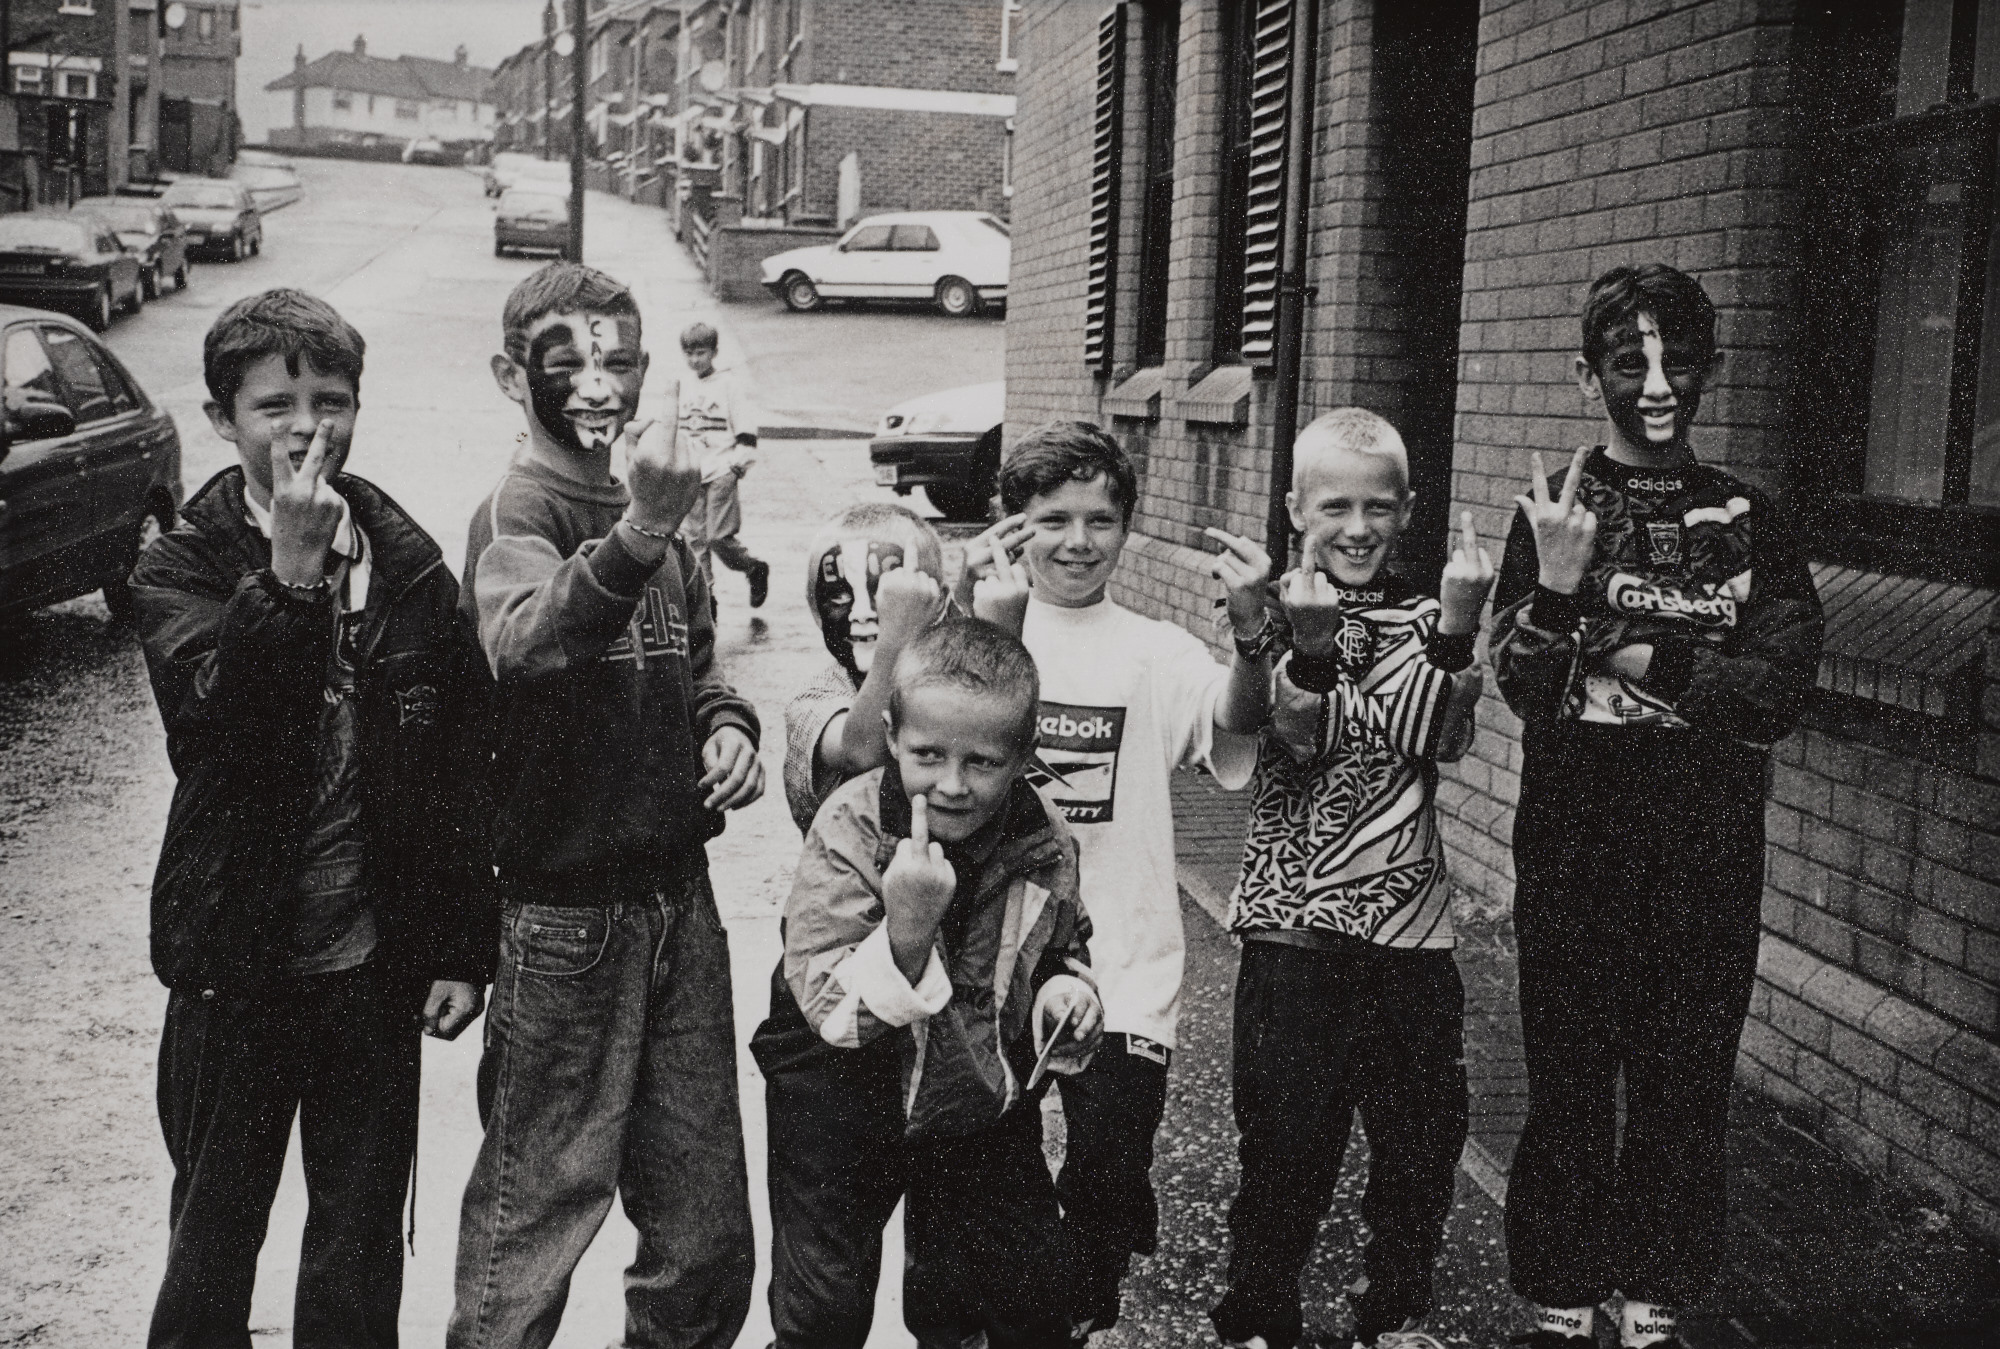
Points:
[[957, 259], [947, 443]]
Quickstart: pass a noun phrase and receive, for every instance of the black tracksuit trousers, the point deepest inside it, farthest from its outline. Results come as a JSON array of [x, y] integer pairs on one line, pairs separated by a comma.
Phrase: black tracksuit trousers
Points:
[[984, 1251], [1320, 1034], [1640, 864], [340, 1051]]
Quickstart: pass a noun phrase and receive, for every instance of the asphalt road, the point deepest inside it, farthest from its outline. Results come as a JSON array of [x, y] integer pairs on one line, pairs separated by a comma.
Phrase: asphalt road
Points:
[[405, 253]]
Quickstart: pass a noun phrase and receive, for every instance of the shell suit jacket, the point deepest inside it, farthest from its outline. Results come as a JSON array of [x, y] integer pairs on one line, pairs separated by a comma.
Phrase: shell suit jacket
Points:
[[967, 1025]]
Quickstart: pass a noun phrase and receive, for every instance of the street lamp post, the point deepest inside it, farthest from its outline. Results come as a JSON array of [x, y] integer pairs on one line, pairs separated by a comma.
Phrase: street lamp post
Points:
[[579, 80]]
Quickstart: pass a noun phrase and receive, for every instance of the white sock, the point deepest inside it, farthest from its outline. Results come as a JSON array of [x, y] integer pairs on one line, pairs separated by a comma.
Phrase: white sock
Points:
[[1644, 1323], [1576, 1321]]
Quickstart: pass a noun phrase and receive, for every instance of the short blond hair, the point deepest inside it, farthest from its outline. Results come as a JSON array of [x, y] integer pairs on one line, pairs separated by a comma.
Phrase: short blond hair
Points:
[[1355, 430]]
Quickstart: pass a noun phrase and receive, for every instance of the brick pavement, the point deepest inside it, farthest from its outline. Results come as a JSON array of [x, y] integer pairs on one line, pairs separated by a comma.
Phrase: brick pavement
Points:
[[1819, 1253]]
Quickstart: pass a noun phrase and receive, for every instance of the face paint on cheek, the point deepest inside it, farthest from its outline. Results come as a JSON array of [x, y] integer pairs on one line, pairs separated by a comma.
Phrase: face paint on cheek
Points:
[[604, 395], [549, 390], [833, 602], [844, 590]]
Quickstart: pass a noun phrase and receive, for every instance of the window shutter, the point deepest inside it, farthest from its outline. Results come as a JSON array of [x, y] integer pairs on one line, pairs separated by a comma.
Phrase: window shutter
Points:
[[1106, 130], [1270, 103]]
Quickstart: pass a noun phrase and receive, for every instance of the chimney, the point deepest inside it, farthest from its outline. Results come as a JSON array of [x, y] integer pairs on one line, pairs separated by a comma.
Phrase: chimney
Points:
[[360, 45], [461, 56]]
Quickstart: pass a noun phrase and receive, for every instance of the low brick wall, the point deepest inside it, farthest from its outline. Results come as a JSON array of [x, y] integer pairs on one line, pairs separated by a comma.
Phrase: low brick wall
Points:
[[735, 252]]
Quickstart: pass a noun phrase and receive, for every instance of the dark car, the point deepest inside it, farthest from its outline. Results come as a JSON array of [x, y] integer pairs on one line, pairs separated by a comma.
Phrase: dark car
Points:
[[70, 263], [537, 220], [150, 230], [946, 443], [219, 214], [90, 468]]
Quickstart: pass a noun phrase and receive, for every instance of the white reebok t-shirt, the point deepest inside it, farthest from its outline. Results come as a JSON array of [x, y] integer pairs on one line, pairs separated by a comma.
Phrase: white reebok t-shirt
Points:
[[1125, 700]]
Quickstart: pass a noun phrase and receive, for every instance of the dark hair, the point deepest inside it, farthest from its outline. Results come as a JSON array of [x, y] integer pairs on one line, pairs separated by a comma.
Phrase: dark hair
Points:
[[1059, 452], [966, 653], [561, 287], [1675, 300], [699, 335], [287, 323]]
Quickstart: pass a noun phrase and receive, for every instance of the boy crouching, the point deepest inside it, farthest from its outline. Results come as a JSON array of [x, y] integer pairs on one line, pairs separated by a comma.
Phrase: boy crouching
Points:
[[934, 932]]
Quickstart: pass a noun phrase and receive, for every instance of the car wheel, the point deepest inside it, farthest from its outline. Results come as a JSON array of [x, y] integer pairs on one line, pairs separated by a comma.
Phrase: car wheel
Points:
[[181, 276], [956, 298], [499, 249], [100, 313], [137, 300], [237, 250], [117, 594], [961, 502], [257, 244], [801, 295], [149, 283]]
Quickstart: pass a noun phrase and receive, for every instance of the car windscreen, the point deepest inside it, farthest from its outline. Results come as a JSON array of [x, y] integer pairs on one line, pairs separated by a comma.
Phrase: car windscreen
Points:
[[121, 216], [21, 231], [997, 225], [538, 205], [200, 197]]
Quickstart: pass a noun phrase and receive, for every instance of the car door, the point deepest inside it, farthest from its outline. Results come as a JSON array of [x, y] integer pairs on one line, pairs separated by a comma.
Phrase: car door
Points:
[[116, 444], [120, 265], [912, 272], [857, 265], [45, 508]]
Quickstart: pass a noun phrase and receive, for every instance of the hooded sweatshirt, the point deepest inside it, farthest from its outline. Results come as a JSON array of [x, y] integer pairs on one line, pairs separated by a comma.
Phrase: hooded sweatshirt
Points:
[[607, 691]]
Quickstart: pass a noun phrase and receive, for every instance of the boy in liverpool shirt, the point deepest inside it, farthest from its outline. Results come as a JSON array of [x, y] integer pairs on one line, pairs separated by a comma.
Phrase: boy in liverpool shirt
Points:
[[1656, 630]]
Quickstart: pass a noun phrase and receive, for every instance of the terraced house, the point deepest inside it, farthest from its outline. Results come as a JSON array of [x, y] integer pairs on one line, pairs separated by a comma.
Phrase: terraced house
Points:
[[1230, 215]]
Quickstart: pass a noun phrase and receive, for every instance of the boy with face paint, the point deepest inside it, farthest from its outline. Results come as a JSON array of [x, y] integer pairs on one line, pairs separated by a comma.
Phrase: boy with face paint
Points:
[[610, 1063], [1656, 629], [1348, 997]]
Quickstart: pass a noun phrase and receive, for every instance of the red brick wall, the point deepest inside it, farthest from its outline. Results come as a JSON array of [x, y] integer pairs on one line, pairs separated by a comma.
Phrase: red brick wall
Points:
[[904, 44]]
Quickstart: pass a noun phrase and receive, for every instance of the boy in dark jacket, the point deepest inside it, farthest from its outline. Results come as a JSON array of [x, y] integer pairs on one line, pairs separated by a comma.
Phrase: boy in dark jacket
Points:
[[319, 895], [610, 1062], [1656, 630], [935, 940]]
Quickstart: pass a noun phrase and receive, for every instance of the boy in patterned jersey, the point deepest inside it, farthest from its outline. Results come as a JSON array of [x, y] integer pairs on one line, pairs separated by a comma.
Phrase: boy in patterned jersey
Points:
[[1656, 630], [1348, 995], [717, 422]]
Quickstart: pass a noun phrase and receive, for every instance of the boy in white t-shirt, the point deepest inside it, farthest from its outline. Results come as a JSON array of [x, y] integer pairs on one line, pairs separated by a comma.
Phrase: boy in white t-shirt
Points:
[[715, 419], [1125, 700]]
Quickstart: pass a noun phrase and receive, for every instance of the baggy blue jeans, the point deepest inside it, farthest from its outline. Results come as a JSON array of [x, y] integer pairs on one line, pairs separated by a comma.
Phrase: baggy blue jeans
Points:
[[609, 1066]]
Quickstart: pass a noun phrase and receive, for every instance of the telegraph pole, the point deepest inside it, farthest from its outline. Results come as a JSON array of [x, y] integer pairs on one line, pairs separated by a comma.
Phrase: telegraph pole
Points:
[[579, 72]]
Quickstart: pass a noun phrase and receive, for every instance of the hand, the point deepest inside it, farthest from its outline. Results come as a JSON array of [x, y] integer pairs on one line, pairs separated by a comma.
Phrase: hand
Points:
[[305, 510], [1467, 578], [1002, 541], [1001, 596], [1628, 662], [1060, 996], [735, 773], [906, 604], [451, 1007], [662, 474], [1312, 603], [1565, 532], [918, 885], [1242, 567]]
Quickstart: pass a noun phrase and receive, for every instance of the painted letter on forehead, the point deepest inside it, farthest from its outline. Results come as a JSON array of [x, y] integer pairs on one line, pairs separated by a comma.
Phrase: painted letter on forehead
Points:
[[584, 375]]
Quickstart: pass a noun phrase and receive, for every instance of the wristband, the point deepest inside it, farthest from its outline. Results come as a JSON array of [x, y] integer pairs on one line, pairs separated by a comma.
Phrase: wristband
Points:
[[311, 594], [638, 528], [1313, 674], [1555, 611], [1260, 643], [1451, 651]]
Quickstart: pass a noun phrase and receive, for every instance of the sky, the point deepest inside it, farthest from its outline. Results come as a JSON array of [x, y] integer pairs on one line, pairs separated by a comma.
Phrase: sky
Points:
[[274, 29]]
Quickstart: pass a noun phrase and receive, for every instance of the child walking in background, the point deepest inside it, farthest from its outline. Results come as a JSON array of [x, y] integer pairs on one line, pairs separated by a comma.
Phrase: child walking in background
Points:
[[1656, 629], [716, 420], [1348, 996]]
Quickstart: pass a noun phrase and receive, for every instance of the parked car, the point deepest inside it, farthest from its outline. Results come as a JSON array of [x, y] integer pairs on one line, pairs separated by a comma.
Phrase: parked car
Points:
[[150, 230], [220, 216], [70, 263], [511, 169], [947, 443], [90, 467], [527, 218], [272, 185], [428, 150], [957, 259]]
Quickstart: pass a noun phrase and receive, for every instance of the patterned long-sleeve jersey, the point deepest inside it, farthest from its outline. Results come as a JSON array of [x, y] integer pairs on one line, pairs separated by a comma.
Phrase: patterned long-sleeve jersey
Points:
[[1343, 837]]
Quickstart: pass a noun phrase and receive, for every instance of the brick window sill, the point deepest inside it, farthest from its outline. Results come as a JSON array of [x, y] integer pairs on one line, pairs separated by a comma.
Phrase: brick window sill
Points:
[[1138, 396], [1222, 398], [1904, 642]]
